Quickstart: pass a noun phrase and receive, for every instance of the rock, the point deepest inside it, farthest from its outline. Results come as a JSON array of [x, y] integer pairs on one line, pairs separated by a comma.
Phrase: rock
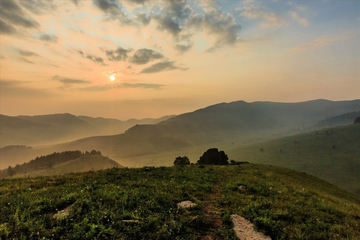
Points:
[[62, 213], [186, 204], [131, 221], [242, 188], [245, 229]]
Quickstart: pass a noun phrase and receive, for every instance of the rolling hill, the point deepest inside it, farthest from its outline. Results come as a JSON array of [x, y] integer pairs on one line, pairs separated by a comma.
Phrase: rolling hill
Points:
[[343, 119], [332, 154], [236, 121], [122, 203], [60, 163]]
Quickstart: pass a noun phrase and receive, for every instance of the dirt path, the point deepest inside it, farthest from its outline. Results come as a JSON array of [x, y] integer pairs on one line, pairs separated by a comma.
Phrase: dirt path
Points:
[[213, 212], [244, 229]]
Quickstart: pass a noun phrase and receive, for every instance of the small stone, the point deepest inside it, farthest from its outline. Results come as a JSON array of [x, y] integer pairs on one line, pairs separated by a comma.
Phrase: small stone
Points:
[[130, 221], [186, 204]]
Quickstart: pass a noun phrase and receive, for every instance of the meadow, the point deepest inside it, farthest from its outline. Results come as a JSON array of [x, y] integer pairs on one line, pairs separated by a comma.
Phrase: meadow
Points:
[[282, 203]]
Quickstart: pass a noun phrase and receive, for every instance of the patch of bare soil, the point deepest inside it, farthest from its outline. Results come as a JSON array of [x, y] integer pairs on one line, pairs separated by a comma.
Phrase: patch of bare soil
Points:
[[212, 212], [245, 230]]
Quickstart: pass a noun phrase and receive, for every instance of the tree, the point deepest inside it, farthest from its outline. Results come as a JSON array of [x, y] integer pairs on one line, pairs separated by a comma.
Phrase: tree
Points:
[[10, 171], [214, 156], [181, 161]]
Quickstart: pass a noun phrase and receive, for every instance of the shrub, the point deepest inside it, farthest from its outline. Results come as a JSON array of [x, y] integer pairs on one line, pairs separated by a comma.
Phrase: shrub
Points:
[[214, 156], [181, 161]]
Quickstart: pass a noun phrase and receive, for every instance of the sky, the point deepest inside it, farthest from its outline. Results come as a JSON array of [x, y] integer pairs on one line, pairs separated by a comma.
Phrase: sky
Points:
[[145, 58]]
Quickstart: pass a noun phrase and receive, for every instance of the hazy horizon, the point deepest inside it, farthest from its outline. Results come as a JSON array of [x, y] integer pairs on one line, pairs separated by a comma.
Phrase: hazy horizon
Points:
[[173, 56]]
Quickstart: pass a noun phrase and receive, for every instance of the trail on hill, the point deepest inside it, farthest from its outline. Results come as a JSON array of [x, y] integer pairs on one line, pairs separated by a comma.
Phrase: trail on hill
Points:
[[213, 211], [244, 229]]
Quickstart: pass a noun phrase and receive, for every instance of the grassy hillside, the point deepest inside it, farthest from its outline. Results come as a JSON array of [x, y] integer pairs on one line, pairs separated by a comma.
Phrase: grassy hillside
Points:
[[343, 119], [282, 203], [332, 154], [60, 163]]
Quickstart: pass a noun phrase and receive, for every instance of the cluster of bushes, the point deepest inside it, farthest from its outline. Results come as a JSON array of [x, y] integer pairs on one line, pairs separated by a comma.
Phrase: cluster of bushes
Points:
[[211, 157]]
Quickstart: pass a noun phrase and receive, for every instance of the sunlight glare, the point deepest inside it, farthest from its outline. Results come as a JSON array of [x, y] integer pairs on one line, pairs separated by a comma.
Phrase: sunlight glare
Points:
[[112, 78]]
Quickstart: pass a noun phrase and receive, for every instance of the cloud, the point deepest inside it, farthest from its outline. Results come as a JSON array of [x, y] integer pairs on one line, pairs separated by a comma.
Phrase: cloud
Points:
[[143, 19], [224, 28], [161, 66], [168, 24], [95, 59], [76, 2], [178, 8], [38, 7], [70, 80], [6, 28], [48, 38], [26, 60], [302, 21], [182, 48], [143, 56], [270, 19], [26, 53], [13, 88], [11, 12], [113, 11], [119, 54], [316, 43], [108, 87]]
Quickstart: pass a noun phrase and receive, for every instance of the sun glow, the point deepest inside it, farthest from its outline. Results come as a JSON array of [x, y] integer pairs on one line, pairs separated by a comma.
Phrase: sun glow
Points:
[[112, 78]]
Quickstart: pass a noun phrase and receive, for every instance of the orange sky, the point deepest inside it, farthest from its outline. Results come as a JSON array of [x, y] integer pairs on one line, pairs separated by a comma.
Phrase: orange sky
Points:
[[173, 56]]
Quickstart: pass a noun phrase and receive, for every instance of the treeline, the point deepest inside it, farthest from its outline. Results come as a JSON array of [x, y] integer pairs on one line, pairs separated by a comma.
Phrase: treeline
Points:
[[44, 162]]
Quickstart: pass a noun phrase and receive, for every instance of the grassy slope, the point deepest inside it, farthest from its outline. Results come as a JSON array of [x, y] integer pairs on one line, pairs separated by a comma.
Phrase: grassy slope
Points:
[[82, 164], [283, 203], [313, 153]]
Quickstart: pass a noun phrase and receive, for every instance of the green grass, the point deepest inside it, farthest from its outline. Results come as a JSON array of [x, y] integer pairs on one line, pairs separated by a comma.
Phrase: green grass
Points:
[[331, 154], [282, 203]]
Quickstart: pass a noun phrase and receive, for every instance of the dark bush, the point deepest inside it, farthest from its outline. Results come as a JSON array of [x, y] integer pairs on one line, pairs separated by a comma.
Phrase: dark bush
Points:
[[214, 156], [182, 161]]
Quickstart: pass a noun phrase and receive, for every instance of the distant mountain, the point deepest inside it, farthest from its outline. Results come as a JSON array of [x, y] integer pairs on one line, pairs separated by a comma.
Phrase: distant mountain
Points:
[[56, 128], [109, 126], [239, 122], [343, 119], [20, 131], [217, 123]]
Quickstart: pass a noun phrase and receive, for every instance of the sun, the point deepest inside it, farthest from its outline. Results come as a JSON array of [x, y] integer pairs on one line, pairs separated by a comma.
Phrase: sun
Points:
[[112, 78]]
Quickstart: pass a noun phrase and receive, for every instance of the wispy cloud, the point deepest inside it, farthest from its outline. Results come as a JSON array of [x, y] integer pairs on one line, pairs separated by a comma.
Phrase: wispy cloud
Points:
[[48, 38], [13, 88], [108, 87], [143, 56], [271, 20], [65, 80], [161, 66], [317, 43], [302, 21], [119, 54], [26, 53], [95, 59]]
